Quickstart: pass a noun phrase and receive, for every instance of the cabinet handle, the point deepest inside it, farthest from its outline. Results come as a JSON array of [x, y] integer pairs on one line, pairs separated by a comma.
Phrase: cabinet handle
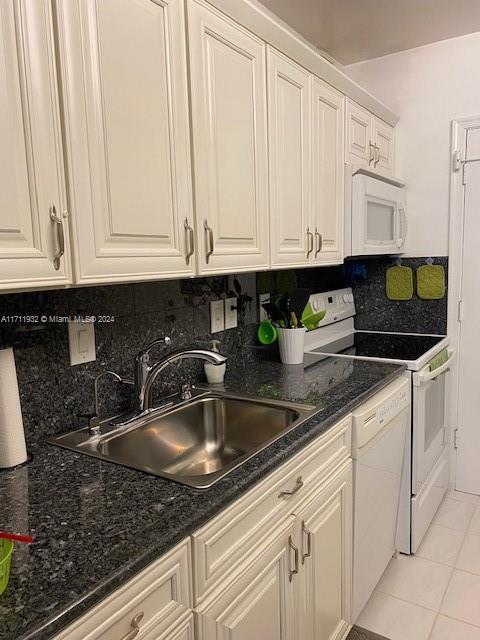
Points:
[[190, 241], [309, 242], [292, 572], [60, 237], [319, 242], [308, 552], [135, 625], [377, 155], [209, 238], [372, 153], [291, 492]]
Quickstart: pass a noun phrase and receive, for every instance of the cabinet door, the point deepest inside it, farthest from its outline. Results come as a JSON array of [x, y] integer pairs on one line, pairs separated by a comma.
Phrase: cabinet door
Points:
[[126, 111], [384, 139], [259, 602], [31, 169], [290, 166], [359, 134], [327, 172], [228, 96], [326, 559]]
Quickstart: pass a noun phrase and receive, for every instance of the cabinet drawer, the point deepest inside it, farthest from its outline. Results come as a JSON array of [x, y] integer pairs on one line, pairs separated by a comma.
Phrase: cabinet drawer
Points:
[[162, 592], [225, 541]]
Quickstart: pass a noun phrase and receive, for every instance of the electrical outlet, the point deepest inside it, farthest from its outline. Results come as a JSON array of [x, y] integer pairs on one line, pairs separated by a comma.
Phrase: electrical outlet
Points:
[[81, 342], [231, 313], [263, 298], [217, 316]]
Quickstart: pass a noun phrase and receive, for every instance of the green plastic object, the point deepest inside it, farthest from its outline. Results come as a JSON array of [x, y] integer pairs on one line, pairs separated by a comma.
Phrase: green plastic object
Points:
[[399, 283], [310, 318], [267, 333], [6, 550], [431, 282]]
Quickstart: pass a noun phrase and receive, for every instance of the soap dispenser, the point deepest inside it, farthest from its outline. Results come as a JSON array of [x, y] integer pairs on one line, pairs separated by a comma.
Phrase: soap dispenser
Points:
[[215, 372]]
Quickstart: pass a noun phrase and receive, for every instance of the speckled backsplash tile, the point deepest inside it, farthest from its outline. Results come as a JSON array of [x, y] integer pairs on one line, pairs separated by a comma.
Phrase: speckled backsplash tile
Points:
[[376, 312], [56, 397]]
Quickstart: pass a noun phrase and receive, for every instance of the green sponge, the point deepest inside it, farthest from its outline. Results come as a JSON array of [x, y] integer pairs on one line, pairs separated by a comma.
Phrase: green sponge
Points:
[[399, 283], [431, 282]]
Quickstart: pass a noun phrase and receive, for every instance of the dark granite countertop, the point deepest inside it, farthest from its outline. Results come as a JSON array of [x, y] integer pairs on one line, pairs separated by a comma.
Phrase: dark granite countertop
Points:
[[97, 524]]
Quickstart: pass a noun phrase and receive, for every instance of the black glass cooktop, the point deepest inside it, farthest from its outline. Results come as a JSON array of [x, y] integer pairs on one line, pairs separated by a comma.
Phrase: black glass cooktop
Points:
[[384, 345]]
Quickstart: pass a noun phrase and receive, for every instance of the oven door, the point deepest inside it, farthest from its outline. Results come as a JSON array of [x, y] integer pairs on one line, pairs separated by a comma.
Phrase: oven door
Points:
[[379, 218], [429, 389]]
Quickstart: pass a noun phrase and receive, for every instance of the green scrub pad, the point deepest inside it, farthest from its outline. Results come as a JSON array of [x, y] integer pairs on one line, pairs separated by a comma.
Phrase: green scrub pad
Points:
[[399, 283], [431, 282]]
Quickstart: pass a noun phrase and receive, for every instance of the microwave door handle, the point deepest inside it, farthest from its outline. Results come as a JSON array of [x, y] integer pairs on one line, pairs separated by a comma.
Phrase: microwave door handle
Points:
[[402, 225]]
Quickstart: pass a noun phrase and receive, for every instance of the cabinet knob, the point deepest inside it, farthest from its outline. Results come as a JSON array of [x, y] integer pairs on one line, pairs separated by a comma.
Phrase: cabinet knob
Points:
[[308, 533]]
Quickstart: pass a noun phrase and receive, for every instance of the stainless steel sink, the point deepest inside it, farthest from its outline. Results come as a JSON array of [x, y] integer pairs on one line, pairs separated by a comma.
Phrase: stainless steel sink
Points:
[[195, 442]]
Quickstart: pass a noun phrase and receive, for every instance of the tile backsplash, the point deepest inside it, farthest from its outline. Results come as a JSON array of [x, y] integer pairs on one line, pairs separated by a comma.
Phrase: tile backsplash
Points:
[[57, 397]]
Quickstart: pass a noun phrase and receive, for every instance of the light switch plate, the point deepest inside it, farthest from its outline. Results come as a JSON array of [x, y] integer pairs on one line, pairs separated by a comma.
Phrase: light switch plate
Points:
[[231, 314], [263, 298], [217, 316], [81, 342]]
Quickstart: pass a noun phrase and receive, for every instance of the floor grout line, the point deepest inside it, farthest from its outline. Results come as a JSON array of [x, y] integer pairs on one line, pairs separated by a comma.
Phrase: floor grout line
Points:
[[451, 575]]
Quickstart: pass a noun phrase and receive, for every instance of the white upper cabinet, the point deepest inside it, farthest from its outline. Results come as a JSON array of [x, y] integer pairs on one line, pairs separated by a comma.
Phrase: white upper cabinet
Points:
[[384, 141], [370, 142], [291, 235], [359, 144], [34, 240], [327, 172], [228, 100], [127, 138]]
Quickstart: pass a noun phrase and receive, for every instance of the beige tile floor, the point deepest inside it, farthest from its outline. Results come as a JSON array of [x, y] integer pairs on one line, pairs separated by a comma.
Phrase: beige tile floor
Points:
[[434, 595]]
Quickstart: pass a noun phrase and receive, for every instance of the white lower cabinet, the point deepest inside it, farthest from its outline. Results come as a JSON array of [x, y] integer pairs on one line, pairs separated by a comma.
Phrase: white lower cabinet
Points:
[[326, 525], [274, 565], [259, 603], [156, 605]]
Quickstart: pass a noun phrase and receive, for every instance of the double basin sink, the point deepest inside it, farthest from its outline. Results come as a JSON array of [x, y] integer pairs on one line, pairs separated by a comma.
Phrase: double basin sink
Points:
[[194, 442]]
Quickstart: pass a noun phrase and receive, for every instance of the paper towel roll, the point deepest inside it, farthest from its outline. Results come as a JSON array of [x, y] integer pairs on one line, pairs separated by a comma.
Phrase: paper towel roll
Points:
[[13, 450]]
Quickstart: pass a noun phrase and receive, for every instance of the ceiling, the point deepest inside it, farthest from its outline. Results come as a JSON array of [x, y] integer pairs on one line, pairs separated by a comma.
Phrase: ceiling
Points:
[[354, 30]]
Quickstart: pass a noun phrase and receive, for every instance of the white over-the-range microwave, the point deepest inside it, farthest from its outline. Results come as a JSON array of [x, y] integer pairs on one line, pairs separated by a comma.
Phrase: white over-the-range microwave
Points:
[[375, 214]]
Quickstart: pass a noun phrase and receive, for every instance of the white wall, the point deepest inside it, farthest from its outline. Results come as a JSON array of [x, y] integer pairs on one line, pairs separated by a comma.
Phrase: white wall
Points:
[[427, 87]]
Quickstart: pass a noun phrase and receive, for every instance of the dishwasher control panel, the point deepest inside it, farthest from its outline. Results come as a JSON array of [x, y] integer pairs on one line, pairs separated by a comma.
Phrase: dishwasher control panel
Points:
[[376, 414]]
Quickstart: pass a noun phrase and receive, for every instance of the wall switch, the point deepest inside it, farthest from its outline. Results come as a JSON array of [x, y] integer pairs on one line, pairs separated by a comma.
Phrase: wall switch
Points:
[[81, 342], [217, 316], [231, 313], [263, 298]]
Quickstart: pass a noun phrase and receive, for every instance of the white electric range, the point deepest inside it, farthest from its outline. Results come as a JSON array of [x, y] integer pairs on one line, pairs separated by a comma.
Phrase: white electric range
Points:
[[426, 464]]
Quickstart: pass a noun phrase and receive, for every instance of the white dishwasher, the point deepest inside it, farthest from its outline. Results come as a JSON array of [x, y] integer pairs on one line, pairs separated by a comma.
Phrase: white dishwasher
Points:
[[380, 427]]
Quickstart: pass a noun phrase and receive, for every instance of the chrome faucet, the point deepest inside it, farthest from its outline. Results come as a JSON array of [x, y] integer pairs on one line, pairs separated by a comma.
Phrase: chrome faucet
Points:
[[144, 393], [141, 370]]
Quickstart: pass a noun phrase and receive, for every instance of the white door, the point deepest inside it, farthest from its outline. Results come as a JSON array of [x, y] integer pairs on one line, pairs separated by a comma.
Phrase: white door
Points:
[[326, 558], [384, 143], [327, 172], [468, 467], [259, 603], [359, 149], [127, 137], [33, 217], [291, 233], [228, 95]]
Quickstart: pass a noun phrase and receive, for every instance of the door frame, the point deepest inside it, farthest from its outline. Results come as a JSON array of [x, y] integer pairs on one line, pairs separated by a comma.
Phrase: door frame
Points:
[[459, 130]]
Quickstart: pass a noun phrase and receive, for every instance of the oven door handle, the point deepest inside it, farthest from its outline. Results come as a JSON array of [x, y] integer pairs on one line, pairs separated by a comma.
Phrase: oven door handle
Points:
[[425, 374]]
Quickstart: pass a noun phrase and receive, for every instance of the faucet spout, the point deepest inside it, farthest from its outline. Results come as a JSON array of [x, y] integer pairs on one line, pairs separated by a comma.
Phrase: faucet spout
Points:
[[207, 355]]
